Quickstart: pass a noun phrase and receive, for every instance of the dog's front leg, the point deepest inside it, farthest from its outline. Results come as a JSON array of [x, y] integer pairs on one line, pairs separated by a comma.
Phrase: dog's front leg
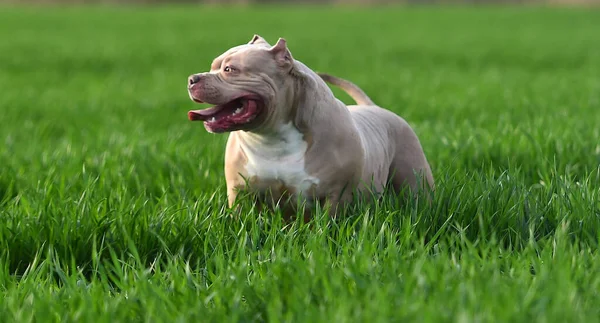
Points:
[[335, 202]]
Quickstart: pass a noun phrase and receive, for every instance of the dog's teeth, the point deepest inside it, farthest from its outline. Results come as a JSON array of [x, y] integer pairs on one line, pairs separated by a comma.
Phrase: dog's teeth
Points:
[[213, 119], [238, 110]]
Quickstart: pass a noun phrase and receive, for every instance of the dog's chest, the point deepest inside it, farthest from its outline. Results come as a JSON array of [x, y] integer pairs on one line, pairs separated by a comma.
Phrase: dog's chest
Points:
[[277, 162]]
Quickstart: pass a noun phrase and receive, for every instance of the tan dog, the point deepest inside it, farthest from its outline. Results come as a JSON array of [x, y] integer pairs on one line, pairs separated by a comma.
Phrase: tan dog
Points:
[[291, 137]]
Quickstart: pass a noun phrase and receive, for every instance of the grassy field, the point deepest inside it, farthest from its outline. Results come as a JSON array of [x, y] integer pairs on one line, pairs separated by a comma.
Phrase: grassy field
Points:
[[112, 204]]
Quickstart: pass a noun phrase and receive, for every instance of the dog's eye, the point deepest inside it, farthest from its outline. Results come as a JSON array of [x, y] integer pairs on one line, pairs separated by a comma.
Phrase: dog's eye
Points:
[[227, 69]]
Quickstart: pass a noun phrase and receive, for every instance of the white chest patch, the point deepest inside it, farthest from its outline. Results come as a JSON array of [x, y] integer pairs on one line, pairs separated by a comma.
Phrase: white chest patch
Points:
[[280, 157]]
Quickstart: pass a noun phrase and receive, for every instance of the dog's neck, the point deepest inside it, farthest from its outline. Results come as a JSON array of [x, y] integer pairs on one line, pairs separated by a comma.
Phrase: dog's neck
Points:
[[286, 142], [313, 101]]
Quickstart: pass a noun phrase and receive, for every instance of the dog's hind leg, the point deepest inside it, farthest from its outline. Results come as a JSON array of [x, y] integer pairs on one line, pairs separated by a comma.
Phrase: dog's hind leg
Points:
[[409, 168]]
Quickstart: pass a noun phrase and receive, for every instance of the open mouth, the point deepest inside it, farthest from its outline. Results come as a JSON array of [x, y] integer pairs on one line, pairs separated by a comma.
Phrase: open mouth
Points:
[[232, 114]]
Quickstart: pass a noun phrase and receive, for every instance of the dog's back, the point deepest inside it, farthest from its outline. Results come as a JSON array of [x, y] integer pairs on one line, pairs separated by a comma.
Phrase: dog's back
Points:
[[392, 148]]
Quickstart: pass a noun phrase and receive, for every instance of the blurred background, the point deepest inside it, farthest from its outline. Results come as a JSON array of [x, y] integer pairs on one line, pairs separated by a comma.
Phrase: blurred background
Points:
[[366, 2], [95, 140]]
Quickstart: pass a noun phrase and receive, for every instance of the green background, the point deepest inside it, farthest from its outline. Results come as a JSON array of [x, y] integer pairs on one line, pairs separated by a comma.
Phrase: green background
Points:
[[113, 203]]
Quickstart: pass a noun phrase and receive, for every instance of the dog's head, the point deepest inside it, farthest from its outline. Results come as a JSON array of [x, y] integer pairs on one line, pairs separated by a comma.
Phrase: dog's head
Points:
[[251, 87]]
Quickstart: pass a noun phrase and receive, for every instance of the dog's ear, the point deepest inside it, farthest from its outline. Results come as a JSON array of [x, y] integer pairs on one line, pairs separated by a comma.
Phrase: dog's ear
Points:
[[257, 40], [281, 53]]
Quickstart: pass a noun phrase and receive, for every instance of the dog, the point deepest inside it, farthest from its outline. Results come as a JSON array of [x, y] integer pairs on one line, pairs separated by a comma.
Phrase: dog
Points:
[[291, 138]]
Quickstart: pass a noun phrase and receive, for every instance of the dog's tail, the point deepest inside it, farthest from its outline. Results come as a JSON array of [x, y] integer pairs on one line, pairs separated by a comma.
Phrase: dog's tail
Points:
[[352, 89]]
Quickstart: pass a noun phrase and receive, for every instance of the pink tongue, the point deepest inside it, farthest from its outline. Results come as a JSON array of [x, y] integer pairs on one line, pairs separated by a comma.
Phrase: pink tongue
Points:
[[250, 109], [204, 114]]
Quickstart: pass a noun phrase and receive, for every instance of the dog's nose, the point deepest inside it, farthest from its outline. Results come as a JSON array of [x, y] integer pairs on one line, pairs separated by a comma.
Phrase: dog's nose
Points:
[[193, 79]]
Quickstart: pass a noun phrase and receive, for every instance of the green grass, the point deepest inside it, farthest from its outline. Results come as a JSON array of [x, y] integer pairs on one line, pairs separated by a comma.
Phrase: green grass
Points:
[[112, 204]]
